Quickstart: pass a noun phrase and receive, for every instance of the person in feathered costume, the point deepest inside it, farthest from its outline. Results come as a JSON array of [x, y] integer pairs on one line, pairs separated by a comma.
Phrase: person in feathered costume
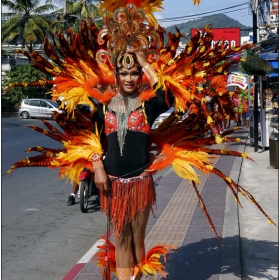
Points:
[[133, 77], [240, 99]]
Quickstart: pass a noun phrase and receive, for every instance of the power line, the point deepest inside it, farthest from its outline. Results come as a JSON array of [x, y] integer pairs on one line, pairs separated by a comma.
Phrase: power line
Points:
[[198, 15], [201, 9], [193, 16], [183, 17]]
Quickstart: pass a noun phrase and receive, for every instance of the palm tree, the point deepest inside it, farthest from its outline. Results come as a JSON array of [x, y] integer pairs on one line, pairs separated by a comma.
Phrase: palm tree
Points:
[[73, 12], [85, 8], [26, 23]]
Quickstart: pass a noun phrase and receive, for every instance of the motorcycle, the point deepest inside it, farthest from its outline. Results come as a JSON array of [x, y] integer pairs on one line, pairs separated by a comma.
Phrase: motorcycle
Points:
[[87, 188]]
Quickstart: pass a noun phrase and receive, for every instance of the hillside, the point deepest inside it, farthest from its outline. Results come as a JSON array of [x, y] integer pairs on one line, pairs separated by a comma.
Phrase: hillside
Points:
[[217, 21]]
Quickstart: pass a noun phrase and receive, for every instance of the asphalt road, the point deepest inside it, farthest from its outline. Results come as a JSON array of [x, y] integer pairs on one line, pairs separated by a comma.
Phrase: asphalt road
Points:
[[42, 238]]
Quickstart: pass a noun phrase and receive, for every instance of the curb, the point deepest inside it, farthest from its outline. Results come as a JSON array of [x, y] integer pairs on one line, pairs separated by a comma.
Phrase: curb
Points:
[[7, 114], [75, 270], [231, 227]]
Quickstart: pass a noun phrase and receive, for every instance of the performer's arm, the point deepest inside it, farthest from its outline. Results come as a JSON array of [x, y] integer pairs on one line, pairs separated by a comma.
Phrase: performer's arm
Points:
[[100, 176]]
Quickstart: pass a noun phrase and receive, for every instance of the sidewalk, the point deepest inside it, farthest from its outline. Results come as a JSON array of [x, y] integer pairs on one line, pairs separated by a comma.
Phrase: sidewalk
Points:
[[250, 244]]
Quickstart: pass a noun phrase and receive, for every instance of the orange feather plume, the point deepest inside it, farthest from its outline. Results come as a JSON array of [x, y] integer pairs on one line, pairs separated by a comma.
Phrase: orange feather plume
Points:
[[106, 258], [152, 265]]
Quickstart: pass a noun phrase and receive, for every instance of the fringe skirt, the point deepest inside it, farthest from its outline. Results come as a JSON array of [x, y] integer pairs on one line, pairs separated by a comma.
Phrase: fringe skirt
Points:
[[126, 198]]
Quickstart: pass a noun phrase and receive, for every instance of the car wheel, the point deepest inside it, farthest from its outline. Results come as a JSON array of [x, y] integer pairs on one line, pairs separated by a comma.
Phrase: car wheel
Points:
[[25, 115]]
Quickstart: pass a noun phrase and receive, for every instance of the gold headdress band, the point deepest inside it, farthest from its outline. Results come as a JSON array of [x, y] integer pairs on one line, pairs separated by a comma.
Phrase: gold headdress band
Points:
[[128, 61]]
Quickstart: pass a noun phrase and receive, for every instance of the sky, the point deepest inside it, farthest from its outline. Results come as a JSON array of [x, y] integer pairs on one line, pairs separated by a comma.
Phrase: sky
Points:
[[181, 8]]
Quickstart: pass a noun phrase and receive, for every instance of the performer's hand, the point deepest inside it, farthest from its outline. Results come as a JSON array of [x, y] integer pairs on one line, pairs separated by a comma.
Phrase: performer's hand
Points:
[[101, 179], [140, 55]]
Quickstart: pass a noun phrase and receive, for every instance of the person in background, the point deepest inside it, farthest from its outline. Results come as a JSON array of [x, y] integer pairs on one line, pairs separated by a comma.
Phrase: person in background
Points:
[[210, 107], [72, 196]]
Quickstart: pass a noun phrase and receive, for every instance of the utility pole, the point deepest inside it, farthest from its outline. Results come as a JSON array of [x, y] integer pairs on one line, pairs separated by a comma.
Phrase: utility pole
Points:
[[256, 78]]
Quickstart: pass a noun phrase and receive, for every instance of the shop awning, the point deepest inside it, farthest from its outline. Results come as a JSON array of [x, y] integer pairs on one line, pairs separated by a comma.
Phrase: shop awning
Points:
[[269, 56]]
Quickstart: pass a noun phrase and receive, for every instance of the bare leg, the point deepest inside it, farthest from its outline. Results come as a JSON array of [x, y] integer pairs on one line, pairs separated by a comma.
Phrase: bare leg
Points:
[[75, 188], [139, 224], [124, 255], [130, 247]]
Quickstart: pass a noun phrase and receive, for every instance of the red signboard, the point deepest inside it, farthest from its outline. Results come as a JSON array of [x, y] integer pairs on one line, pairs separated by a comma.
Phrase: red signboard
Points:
[[232, 35]]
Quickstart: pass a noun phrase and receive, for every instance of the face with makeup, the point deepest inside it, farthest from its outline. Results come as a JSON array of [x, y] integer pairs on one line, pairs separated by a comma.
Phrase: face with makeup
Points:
[[128, 80]]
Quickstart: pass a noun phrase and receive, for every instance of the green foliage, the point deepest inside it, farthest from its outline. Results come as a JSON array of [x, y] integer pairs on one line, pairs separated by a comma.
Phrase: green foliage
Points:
[[254, 65], [26, 23], [216, 21], [76, 12], [85, 9], [4, 52], [12, 97]]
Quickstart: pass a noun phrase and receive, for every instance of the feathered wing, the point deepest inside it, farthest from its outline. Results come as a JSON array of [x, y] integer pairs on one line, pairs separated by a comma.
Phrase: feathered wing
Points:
[[197, 71], [76, 73], [177, 142], [78, 145]]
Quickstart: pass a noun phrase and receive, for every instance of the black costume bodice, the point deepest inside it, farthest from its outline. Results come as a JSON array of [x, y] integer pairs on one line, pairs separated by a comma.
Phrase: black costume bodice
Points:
[[135, 157]]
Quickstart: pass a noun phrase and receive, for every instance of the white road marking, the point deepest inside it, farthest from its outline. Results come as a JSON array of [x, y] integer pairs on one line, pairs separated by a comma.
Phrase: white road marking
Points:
[[91, 251]]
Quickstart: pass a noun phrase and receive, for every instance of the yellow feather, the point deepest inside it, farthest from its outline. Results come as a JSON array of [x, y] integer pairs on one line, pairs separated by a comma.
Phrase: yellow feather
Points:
[[210, 167], [198, 158], [228, 179], [72, 97], [200, 74], [244, 155], [73, 160], [149, 269], [152, 20], [184, 170], [209, 120], [219, 139]]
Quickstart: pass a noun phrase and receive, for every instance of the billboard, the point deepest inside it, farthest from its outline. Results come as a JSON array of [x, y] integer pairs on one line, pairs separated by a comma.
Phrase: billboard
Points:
[[230, 34]]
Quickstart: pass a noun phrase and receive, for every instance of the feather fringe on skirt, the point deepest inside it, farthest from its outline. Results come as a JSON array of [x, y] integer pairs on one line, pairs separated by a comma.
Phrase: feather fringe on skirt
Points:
[[126, 198]]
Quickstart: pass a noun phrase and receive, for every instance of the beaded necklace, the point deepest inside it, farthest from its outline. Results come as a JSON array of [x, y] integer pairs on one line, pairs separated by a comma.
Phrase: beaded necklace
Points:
[[123, 106]]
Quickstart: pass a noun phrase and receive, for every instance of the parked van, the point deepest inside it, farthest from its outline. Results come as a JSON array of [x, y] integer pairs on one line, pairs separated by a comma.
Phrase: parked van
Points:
[[38, 108]]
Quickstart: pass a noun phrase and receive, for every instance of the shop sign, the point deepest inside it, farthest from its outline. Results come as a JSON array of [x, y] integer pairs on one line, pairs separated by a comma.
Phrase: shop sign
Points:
[[238, 80], [230, 35]]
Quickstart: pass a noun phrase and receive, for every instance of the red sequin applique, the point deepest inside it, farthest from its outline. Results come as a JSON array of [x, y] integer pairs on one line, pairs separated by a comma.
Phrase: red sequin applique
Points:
[[136, 122]]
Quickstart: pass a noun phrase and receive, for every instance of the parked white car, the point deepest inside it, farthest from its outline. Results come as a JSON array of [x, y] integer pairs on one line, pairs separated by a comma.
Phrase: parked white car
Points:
[[161, 118], [38, 108]]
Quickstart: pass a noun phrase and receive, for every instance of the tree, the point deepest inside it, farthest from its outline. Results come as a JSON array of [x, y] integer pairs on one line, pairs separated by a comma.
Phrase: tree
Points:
[[85, 8], [26, 23], [11, 98], [73, 13]]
